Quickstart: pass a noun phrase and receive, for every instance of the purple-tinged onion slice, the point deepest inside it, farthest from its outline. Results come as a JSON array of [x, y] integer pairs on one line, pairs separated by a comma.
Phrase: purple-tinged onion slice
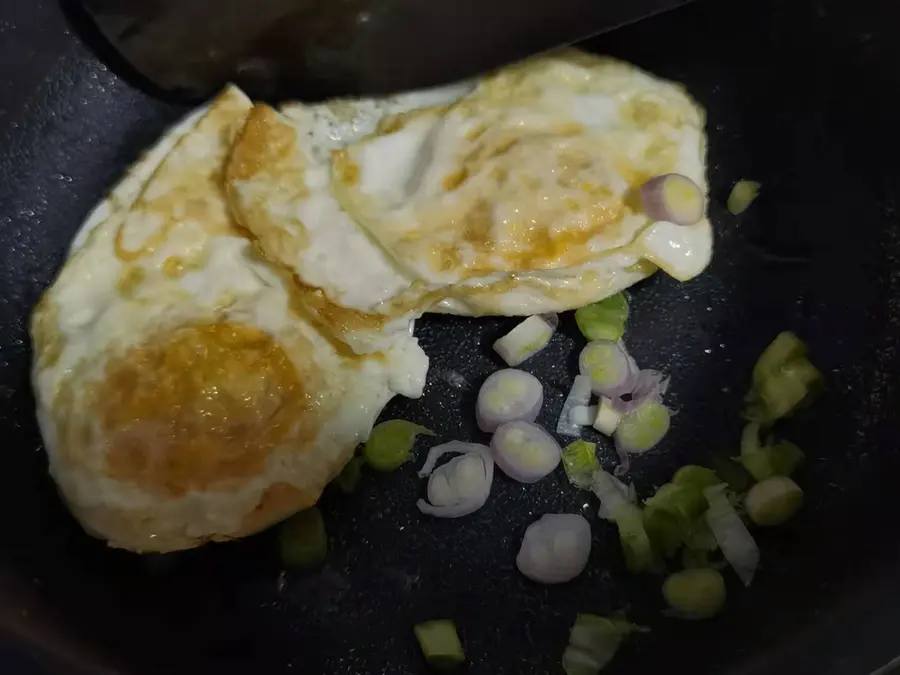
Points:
[[506, 396], [642, 428], [611, 369], [462, 485], [555, 548], [524, 451], [673, 198], [646, 385]]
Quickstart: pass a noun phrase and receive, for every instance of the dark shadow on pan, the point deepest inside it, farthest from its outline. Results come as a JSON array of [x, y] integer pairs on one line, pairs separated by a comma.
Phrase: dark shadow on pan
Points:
[[314, 49], [91, 35]]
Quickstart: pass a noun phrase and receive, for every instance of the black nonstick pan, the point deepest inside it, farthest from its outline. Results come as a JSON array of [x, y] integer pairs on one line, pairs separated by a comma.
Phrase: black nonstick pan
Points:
[[799, 96]]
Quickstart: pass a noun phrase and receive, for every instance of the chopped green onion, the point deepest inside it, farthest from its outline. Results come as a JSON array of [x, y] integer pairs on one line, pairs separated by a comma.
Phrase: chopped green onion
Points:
[[686, 499], [666, 530], [696, 476], [742, 195], [390, 444], [302, 540], [692, 559], [778, 396], [604, 320], [610, 368], [773, 501], [580, 461], [780, 459], [750, 443], [784, 348], [613, 495], [785, 458], [348, 479], [700, 537], [526, 339], [736, 542], [783, 379], [593, 642], [697, 593], [732, 472], [607, 418], [669, 513], [440, 643], [674, 198], [636, 545], [644, 427]]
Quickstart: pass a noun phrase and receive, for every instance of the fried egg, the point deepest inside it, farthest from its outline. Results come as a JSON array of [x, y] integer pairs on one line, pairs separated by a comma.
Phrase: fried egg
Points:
[[183, 391], [521, 196], [279, 182]]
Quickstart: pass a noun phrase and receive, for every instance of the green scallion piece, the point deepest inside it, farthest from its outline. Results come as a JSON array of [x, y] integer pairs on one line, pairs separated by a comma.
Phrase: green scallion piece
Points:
[[440, 643], [742, 195], [783, 380], [303, 540], [580, 462], [390, 444], [604, 320], [697, 593], [348, 479]]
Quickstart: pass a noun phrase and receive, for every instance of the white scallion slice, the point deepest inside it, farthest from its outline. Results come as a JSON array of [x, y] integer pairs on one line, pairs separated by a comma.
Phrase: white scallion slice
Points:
[[736, 542], [525, 452], [579, 395], [583, 415], [462, 485], [607, 418], [641, 429], [555, 548], [673, 198], [506, 396], [773, 501], [611, 369], [526, 339], [612, 493]]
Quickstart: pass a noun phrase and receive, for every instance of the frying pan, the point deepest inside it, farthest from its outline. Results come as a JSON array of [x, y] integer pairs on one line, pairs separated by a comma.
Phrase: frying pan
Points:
[[798, 97]]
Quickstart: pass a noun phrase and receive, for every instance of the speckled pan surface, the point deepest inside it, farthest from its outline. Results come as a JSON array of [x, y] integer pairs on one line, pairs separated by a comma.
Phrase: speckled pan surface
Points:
[[797, 98]]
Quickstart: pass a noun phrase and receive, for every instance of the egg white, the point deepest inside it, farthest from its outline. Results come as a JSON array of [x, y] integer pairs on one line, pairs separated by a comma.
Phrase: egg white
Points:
[[525, 188], [111, 306], [279, 183]]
